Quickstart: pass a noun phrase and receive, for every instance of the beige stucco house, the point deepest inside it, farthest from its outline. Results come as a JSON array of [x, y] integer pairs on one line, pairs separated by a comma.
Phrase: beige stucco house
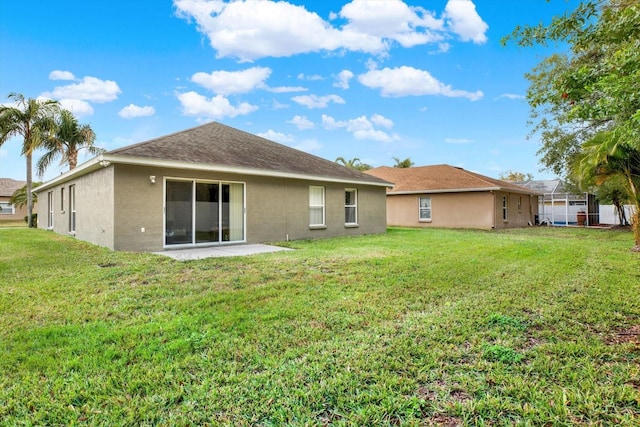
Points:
[[210, 185], [7, 211], [448, 196]]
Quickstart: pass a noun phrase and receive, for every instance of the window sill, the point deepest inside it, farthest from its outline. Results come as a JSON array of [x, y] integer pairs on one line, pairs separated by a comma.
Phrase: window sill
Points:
[[351, 225], [424, 220], [317, 227]]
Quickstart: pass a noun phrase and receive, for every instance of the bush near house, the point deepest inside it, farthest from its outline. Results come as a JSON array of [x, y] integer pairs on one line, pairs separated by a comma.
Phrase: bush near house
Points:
[[416, 327]]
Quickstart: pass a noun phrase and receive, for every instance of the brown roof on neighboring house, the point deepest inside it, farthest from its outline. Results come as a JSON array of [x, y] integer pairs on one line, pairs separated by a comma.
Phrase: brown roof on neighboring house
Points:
[[8, 186], [220, 145], [441, 179]]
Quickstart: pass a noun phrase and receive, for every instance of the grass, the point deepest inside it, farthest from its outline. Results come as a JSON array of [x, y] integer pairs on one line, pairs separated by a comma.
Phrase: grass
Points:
[[537, 326], [5, 223]]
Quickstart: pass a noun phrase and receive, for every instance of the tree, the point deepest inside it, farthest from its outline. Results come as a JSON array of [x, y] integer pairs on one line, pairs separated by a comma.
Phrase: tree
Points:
[[19, 197], [585, 103], [68, 139], [605, 159], [33, 120], [354, 163], [515, 176], [406, 163]]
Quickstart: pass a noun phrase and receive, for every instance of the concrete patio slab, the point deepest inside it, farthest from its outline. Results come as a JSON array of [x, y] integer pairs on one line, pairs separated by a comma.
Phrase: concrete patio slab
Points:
[[220, 251]]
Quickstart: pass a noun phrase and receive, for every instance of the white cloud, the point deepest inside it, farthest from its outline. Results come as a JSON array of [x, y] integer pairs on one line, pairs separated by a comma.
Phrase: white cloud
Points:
[[384, 21], [302, 123], [362, 128], [342, 79], [442, 48], [249, 30], [463, 19], [232, 82], [218, 107], [131, 111], [77, 106], [380, 120], [313, 77], [287, 89], [315, 101], [510, 96], [409, 81], [276, 136], [89, 88], [61, 75], [308, 146], [458, 141]]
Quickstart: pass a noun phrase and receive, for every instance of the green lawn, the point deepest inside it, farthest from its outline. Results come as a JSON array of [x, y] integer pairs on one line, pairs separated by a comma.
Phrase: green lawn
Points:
[[415, 327]]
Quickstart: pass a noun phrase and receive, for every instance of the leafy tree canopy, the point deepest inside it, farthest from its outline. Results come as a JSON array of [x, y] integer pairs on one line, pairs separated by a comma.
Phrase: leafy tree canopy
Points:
[[406, 163], [585, 103], [515, 176], [354, 163]]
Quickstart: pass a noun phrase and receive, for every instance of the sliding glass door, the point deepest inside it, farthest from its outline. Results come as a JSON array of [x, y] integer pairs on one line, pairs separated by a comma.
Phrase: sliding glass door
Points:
[[199, 212]]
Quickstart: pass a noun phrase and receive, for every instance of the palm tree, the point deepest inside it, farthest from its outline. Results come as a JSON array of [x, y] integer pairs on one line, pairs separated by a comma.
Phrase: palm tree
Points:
[[354, 163], [69, 138], [33, 120], [19, 197], [607, 158], [406, 163]]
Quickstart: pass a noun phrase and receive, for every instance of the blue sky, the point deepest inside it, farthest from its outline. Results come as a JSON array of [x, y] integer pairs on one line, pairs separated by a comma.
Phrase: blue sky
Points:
[[372, 79]]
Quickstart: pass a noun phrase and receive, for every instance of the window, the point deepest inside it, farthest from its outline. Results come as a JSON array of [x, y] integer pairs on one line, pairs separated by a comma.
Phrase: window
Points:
[[62, 200], [505, 204], [425, 209], [6, 208], [72, 208], [316, 206], [350, 206], [519, 204], [50, 209]]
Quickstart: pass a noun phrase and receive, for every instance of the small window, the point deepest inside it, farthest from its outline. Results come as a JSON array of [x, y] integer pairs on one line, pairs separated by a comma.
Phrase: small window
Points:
[[72, 208], [6, 208], [350, 206], [62, 199], [316, 206], [50, 208], [505, 204], [425, 209], [519, 204]]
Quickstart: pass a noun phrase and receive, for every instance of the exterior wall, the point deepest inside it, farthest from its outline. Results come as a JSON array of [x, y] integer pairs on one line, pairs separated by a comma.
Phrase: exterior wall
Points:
[[94, 208], [277, 209], [18, 213], [448, 210], [522, 217], [481, 210]]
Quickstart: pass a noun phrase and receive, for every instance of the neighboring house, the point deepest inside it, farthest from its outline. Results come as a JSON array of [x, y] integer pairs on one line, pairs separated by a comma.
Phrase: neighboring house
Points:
[[448, 196], [7, 210], [209, 185], [560, 206]]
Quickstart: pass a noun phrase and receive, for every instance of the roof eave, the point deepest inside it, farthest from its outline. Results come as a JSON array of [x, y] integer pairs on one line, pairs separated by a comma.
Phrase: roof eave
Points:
[[104, 160], [463, 190]]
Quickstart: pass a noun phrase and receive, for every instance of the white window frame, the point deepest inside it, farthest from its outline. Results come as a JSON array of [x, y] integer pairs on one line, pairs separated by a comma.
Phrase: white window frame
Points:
[[72, 209], [505, 208], [353, 206], [314, 206], [422, 209], [50, 208], [9, 209], [62, 200]]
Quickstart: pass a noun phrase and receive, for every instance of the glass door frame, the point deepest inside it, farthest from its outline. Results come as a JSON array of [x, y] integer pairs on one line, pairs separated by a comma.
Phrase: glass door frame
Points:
[[193, 182]]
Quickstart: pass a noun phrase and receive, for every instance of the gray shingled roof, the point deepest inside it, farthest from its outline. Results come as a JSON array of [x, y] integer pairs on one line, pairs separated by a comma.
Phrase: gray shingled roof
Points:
[[8, 186], [221, 145]]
